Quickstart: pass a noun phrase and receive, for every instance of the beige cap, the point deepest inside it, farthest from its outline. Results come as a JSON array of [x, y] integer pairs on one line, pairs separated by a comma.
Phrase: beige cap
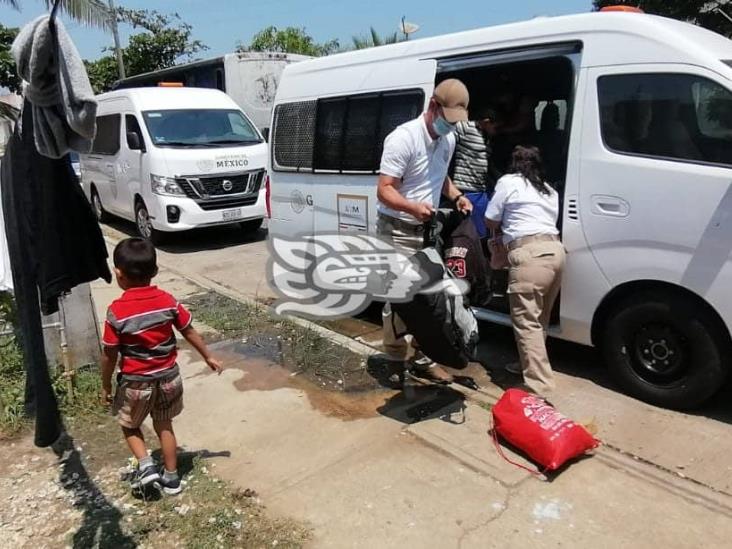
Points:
[[453, 96]]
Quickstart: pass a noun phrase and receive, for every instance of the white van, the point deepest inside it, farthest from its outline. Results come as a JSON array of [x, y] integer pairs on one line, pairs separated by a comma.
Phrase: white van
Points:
[[639, 145], [172, 159]]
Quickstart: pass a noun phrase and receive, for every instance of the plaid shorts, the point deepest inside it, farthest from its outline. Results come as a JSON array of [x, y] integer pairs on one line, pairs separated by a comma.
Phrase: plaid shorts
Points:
[[135, 400]]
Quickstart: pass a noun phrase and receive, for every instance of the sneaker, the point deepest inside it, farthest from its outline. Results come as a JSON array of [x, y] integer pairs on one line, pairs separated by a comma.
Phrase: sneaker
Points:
[[172, 487], [145, 477], [514, 368]]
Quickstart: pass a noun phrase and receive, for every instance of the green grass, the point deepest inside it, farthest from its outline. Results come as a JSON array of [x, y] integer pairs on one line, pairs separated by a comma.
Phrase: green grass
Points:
[[87, 382]]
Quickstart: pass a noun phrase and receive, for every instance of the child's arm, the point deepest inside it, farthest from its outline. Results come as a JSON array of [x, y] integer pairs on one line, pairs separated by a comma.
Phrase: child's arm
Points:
[[109, 361], [195, 339]]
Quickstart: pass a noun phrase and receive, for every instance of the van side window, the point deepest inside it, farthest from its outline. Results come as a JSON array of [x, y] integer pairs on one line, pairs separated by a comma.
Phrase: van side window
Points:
[[343, 133], [133, 126], [294, 130], [669, 116], [107, 139]]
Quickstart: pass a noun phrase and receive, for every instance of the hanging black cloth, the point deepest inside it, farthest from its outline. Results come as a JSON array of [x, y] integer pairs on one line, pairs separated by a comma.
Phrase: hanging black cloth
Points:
[[55, 243]]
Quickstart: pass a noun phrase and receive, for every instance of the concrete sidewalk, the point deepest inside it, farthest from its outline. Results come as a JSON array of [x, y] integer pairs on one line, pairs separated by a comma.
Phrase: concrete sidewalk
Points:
[[363, 474], [695, 445]]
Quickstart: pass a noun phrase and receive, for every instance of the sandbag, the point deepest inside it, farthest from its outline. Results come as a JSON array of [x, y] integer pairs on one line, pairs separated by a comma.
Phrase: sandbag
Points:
[[440, 321], [530, 424]]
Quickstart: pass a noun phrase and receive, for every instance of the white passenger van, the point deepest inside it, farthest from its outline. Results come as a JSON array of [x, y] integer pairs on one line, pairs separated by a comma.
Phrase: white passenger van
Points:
[[641, 155], [173, 158]]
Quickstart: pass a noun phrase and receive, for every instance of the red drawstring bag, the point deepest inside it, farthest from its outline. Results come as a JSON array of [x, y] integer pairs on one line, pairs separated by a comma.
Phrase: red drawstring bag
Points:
[[530, 424]]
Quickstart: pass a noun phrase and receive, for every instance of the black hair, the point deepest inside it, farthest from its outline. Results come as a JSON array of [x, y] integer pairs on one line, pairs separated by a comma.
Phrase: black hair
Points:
[[526, 161], [136, 258]]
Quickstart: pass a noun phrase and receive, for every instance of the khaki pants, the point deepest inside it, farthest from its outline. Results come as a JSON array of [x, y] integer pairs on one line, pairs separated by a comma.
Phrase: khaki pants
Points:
[[534, 280], [396, 345]]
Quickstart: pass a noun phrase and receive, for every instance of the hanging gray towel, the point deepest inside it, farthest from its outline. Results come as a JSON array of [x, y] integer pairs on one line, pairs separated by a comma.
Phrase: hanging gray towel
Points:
[[56, 84]]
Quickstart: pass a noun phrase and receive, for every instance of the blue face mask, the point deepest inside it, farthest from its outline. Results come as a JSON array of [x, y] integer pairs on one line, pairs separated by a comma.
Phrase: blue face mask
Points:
[[442, 127]]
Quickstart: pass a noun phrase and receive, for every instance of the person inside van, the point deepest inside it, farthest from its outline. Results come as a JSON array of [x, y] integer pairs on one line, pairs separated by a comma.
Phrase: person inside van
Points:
[[551, 141], [525, 210], [473, 171], [413, 176], [518, 125]]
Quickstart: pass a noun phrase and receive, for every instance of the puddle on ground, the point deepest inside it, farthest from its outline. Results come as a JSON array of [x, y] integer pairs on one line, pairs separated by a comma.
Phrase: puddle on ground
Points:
[[259, 361]]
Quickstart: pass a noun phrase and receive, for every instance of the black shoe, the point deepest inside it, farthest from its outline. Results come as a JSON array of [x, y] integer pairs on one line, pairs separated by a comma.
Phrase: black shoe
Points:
[[145, 477], [172, 487]]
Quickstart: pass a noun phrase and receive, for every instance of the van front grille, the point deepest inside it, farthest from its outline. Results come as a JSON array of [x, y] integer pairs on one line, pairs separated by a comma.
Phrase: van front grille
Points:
[[223, 191]]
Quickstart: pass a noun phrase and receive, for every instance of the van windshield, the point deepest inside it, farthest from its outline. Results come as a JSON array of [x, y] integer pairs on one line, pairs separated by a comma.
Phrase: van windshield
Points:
[[199, 128]]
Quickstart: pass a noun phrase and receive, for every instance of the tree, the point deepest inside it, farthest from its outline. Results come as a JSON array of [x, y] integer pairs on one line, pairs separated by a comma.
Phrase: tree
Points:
[[166, 40], [89, 12], [360, 42], [289, 40], [8, 73], [699, 12]]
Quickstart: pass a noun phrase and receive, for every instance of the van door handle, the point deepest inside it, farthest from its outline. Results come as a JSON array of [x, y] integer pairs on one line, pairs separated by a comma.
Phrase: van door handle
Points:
[[610, 206]]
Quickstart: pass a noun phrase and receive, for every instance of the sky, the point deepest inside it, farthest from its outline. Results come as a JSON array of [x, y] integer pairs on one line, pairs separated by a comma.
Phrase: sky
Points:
[[222, 24]]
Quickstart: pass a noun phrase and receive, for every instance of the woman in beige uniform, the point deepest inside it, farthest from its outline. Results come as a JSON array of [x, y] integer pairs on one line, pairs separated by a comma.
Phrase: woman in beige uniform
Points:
[[524, 210]]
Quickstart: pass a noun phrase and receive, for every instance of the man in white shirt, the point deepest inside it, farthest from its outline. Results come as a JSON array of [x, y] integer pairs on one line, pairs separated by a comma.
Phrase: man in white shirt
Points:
[[413, 176]]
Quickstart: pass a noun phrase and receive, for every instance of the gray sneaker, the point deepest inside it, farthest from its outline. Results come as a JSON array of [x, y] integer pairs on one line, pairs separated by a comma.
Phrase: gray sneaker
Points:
[[145, 477], [172, 487]]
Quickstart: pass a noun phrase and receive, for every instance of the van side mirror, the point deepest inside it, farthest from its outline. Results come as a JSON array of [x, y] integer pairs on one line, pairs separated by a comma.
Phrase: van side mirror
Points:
[[265, 134], [134, 142]]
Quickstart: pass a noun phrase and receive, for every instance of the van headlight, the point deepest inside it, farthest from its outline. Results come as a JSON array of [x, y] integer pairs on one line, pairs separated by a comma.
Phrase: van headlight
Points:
[[165, 186]]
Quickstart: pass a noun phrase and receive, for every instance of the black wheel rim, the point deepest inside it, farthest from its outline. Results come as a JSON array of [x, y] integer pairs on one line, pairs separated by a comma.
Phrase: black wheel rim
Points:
[[659, 354]]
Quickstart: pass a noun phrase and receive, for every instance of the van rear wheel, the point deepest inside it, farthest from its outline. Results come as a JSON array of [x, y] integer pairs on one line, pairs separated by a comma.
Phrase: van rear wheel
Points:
[[144, 225], [665, 349], [96, 202]]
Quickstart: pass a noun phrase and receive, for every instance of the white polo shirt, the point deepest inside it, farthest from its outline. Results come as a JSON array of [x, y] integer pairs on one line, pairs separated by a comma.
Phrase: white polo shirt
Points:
[[419, 161], [521, 209]]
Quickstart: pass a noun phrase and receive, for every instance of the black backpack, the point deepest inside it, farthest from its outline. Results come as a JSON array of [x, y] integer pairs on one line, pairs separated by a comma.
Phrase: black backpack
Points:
[[441, 321]]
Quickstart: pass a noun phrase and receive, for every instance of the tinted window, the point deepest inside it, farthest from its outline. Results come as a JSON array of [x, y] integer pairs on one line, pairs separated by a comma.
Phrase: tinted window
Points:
[[340, 133], [107, 139], [329, 131], [199, 128], [294, 130], [673, 116]]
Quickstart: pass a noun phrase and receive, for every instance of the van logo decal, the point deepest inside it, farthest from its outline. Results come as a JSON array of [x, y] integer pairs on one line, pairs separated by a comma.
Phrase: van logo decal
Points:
[[334, 275], [205, 165], [227, 185], [297, 201]]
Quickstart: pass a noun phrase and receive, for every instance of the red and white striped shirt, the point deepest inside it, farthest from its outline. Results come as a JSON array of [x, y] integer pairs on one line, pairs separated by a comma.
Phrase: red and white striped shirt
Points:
[[140, 323]]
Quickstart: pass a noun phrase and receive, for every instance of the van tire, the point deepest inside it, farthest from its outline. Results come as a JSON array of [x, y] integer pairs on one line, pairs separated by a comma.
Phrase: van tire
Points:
[[251, 226], [665, 349], [96, 203], [144, 226]]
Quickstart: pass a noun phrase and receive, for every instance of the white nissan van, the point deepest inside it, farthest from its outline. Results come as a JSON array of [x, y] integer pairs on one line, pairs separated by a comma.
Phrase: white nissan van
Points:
[[633, 114], [175, 158]]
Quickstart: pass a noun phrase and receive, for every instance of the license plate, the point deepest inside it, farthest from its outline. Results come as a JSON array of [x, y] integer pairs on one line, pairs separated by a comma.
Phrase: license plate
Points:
[[228, 215]]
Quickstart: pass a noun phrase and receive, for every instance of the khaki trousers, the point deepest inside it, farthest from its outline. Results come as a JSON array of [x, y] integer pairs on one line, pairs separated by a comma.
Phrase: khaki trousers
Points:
[[396, 345], [534, 280]]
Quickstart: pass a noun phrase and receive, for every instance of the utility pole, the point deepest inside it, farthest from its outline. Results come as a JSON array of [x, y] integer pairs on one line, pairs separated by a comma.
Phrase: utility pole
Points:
[[115, 33]]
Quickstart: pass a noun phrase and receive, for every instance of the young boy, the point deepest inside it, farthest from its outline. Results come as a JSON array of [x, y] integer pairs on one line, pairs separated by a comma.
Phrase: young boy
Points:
[[139, 327]]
